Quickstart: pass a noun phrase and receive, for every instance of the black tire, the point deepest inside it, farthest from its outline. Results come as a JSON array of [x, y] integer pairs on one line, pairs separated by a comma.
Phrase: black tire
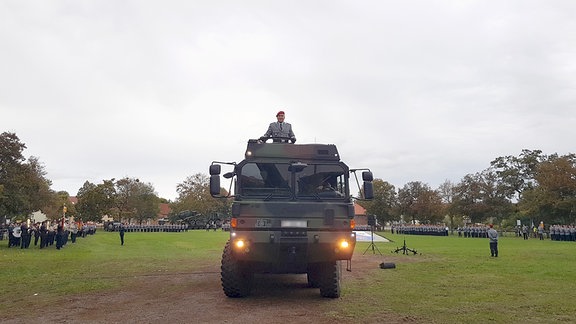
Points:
[[330, 280], [236, 279], [313, 276]]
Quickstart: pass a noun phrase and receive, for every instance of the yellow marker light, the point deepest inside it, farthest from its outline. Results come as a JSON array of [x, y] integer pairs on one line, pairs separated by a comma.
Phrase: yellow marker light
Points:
[[234, 222], [352, 224]]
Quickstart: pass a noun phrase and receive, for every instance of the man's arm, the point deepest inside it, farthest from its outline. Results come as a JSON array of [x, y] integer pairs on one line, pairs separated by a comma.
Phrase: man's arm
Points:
[[269, 131], [291, 135]]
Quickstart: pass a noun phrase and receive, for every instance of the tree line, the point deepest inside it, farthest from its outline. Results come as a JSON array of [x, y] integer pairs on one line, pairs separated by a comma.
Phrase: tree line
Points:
[[25, 189], [531, 187]]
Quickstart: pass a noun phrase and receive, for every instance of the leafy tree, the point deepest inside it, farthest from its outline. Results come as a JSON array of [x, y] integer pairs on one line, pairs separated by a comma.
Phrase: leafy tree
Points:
[[194, 195], [417, 201], [446, 193], [384, 202], [553, 200], [516, 173], [468, 198], [25, 187], [95, 201], [134, 199], [145, 202], [481, 197]]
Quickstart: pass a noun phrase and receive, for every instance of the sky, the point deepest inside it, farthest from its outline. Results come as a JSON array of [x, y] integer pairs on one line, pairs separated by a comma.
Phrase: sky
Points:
[[415, 90]]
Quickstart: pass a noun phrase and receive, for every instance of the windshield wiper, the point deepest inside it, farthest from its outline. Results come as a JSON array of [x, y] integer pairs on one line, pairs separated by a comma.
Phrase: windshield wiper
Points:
[[282, 191]]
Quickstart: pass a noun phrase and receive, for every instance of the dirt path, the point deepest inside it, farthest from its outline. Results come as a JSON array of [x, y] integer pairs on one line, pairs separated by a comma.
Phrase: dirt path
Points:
[[198, 298]]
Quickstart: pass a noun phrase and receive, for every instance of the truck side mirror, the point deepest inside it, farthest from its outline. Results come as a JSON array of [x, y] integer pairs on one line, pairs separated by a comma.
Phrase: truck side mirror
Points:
[[367, 176], [215, 185], [215, 169], [368, 190]]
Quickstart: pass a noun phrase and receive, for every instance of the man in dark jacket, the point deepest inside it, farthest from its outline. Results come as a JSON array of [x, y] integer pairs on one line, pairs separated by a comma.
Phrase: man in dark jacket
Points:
[[122, 230]]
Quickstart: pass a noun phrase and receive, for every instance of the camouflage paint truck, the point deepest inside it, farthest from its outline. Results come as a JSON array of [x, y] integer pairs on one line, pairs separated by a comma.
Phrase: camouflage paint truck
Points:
[[292, 212]]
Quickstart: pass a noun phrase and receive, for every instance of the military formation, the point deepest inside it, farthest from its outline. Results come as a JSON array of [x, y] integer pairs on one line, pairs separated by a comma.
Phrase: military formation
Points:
[[115, 227], [435, 230], [563, 233], [45, 234], [480, 231]]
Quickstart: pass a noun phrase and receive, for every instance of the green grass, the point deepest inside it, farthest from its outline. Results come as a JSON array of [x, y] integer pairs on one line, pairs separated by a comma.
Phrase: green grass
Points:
[[99, 263], [456, 280], [453, 280]]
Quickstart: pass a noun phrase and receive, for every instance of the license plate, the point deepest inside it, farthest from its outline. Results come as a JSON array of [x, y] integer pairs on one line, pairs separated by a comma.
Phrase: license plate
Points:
[[263, 222], [294, 223]]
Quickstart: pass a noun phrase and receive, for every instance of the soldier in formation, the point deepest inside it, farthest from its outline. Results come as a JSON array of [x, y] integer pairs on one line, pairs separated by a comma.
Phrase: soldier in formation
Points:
[[474, 231], [435, 230], [563, 233]]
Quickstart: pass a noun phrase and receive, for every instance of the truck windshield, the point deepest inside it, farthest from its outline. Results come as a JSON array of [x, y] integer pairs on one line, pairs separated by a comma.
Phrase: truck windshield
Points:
[[274, 180]]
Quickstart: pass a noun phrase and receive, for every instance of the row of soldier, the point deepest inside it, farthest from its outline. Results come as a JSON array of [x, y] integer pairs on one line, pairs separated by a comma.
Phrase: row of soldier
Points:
[[563, 233], [480, 231], [146, 228], [435, 230], [20, 234]]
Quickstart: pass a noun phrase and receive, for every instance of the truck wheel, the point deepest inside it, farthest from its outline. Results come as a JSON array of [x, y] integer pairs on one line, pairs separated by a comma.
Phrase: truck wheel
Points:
[[313, 276], [236, 278], [330, 280]]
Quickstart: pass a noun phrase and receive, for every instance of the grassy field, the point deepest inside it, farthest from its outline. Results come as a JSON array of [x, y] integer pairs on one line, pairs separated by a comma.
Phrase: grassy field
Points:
[[456, 280], [453, 280]]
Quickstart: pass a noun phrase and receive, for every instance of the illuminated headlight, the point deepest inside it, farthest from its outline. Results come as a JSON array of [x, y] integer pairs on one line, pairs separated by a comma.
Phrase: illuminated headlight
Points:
[[344, 244], [240, 244]]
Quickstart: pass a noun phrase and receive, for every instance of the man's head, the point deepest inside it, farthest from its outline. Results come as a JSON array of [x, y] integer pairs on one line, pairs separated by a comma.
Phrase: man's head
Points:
[[280, 116], [491, 225]]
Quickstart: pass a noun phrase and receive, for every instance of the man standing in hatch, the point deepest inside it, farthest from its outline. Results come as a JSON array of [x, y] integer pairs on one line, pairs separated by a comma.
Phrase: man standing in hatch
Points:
[[280, 131]]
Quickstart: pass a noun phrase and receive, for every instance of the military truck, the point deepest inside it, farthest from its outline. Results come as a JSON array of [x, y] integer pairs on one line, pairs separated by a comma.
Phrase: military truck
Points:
[[292, 212]]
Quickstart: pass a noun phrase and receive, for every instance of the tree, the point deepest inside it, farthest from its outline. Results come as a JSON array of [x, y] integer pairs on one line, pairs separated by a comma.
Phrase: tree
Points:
[[481, 197], [134, 199], [145, 202], [516, 174], [417, 201], [24, 186], [95, 201], [194, 195], [468, 198], [446, 193], [553, 200]]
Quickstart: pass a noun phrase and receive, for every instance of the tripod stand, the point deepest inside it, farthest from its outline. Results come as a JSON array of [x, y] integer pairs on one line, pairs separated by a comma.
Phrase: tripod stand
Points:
[[405, 249], [372, 245]]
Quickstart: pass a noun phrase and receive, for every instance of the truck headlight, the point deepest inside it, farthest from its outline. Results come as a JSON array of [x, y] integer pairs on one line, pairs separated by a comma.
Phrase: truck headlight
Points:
[[240, 244]]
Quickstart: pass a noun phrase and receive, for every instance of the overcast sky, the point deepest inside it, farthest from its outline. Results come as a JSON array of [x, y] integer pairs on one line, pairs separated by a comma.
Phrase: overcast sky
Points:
[[414, 90]]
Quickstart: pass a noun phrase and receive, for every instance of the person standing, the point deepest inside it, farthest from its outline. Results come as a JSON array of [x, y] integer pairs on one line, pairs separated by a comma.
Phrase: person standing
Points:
[[59, 236], [280, 131], [36, 229], [525, 232], [493, 236], [122, 230], [73, 231], [24, 235], [43, 235], [17, 234]]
